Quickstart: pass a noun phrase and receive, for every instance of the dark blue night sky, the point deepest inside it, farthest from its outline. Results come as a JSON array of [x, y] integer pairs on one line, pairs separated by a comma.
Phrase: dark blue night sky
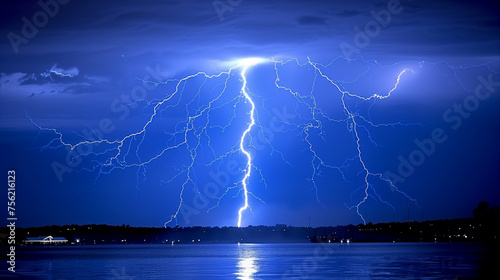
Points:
[[115, 112]]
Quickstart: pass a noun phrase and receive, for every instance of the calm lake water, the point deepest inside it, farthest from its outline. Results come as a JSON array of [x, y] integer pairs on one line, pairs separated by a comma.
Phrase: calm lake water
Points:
[[253, 261]]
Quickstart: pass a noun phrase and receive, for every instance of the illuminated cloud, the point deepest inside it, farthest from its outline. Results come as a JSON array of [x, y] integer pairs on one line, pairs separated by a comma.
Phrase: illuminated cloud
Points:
[[70, 72]]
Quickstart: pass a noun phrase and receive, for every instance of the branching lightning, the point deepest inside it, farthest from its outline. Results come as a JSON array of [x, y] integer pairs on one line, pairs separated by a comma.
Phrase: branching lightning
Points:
[[350, 118], [193, 134]]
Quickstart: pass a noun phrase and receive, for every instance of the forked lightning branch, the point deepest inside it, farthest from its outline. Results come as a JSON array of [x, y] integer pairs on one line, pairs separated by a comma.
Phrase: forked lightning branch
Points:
[[193, 132]]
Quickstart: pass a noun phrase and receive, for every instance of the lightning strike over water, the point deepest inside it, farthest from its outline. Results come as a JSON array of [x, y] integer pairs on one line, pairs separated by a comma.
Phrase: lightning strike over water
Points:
[[333, 99]]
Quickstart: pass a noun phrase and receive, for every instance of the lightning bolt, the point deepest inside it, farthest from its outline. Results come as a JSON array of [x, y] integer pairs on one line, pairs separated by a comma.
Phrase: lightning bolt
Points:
[[246, 64], [210, 93], [352, 117]]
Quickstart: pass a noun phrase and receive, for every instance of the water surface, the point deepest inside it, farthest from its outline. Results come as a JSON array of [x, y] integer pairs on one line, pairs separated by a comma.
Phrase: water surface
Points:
[[253, 261]]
